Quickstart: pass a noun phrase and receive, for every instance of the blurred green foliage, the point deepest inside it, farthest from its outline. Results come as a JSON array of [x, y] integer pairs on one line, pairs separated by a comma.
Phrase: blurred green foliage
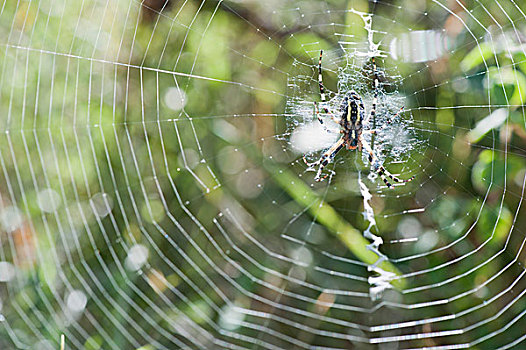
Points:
[[210, 188]]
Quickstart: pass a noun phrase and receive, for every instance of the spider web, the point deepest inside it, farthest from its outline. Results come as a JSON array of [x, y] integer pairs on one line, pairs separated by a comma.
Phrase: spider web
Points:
[[153, 193]]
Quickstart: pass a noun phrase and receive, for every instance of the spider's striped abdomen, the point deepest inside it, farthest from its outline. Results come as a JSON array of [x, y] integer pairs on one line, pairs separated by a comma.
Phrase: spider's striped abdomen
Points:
[[353, 111]]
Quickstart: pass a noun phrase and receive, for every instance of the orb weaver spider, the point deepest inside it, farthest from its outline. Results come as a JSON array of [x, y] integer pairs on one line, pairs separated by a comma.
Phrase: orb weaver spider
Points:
[[351, 120]]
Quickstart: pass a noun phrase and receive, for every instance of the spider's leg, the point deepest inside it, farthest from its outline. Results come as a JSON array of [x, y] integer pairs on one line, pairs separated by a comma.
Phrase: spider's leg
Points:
[[379, 168], [391, 119], [325, 159], [317, 112], [322, 87], [320, 79], [318, 115], [375, 97]]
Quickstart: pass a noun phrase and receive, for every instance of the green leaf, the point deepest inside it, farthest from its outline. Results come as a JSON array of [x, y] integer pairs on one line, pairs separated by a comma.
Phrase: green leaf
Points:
[[492, 121], [477, 56]]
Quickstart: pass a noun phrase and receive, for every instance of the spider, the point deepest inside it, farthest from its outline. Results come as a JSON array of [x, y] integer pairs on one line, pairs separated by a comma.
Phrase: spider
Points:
[[351, 120]]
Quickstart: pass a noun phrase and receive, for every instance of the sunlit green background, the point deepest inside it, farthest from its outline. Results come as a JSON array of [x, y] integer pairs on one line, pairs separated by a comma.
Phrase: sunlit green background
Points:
[[149, 192]]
